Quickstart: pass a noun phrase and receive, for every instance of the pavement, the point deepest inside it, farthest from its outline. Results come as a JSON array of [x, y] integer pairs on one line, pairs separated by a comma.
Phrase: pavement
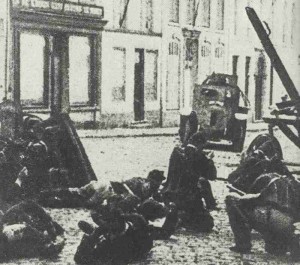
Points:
[[115, 157], [156, 131]]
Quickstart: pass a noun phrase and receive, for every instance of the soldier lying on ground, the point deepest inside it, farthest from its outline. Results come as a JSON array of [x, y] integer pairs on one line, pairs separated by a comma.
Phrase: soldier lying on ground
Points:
[[144, 188], [94, 195], [26, 230], [187, 183], [272, 210], [122, 234], [117, 238]]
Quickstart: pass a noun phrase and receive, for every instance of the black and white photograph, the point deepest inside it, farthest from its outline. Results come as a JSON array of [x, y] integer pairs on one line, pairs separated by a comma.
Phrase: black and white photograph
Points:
[[149, 132]]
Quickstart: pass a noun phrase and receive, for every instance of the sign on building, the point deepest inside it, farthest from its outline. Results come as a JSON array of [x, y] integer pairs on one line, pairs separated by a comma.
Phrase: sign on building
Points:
[[84, 8]]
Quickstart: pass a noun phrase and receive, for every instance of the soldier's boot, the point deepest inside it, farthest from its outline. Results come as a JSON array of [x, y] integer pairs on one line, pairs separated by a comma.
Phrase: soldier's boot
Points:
[[86, 227]]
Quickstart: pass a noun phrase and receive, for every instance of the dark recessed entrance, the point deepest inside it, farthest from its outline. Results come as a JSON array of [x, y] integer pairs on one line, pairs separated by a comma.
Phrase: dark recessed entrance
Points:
[[139, 67]]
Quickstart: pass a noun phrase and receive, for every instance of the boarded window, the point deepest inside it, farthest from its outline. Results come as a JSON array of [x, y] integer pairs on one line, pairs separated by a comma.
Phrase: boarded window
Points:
[[32, 48], [204, 13], [118, 64], [79, 70], [220, 15], [174, 11], [151, 75]]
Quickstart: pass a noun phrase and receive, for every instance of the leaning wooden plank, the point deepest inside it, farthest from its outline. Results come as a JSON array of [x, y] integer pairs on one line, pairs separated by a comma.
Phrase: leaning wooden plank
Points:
[[81, 171]]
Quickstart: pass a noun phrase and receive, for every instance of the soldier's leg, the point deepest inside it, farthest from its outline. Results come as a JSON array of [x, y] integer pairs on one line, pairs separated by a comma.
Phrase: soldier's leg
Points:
[[281, 235], [239, 223], [206, 192]]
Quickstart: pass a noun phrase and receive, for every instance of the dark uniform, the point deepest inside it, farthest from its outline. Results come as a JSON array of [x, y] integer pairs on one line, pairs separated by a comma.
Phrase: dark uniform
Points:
[[272, 211], [118, 237], [27, 231], [187, 183], [253, 166]]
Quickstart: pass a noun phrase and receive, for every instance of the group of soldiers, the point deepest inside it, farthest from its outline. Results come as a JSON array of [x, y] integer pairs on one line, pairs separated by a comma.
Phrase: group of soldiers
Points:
[[128, 216], [266, 199]]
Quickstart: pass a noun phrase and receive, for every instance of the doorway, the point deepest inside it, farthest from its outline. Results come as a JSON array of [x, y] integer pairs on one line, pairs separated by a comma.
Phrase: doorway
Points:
[[260, 78], [139, 101]]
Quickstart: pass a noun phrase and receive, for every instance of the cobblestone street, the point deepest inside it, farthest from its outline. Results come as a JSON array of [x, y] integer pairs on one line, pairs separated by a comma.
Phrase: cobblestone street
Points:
[[122, 158]]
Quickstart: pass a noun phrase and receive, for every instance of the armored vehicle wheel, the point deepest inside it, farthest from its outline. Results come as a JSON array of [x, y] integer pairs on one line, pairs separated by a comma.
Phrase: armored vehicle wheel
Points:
[[268, 144]]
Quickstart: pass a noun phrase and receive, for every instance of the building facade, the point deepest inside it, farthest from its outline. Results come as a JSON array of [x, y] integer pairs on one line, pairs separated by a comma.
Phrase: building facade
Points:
[[123, 63]]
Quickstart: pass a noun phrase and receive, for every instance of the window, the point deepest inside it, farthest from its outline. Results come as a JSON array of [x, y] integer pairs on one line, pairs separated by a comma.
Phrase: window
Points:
[[235, 60], [173, 48], [118, 65], [204, 13], [294, 24], [32, 68], [205, 61], [271, 85], [285, 23], [120, 13], [220, 15], [173, 81], [174, 11], [147, 15], [236, 17], [190, 12], [219, 58], [151, 75], [247, 75], [79, 70]]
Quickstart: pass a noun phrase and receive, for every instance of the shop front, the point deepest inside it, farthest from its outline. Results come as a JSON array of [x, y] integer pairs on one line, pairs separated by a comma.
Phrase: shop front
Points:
[[54, 57]]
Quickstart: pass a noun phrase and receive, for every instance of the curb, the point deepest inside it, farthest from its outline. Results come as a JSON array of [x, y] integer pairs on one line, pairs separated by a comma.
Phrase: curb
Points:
[[105, 134]]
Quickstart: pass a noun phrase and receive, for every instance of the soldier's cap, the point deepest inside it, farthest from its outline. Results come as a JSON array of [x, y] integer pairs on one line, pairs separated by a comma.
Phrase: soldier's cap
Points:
[[156, 175]]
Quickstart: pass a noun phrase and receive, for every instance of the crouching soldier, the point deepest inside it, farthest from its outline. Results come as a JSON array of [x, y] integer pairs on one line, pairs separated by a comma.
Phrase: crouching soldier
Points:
[[28, 231], [272, 211], [187, 183]]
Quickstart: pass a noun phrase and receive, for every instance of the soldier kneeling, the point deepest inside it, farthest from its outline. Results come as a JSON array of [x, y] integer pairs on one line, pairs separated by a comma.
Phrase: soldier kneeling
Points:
[[272, 210]]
